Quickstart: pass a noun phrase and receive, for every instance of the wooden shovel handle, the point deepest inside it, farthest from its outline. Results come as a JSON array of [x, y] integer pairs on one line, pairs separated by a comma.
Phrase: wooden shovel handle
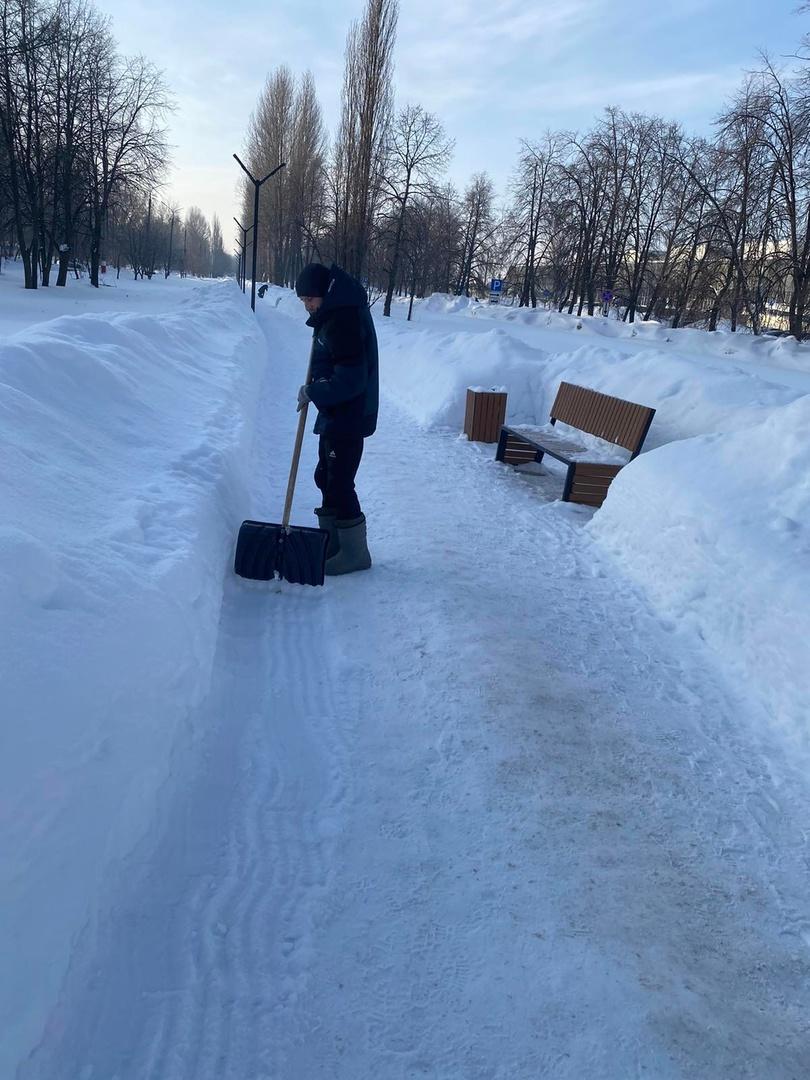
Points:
[[299, 438]]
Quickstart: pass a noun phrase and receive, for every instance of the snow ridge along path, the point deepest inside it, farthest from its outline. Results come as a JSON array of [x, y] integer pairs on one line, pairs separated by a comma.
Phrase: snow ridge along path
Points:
[[475, 814]]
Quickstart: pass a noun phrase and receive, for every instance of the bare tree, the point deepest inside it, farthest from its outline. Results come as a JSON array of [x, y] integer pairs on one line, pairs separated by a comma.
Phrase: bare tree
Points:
[[361, 140], [613, 150], [592, 193], [418, 152], [271, 135], [197, 243], [532, 185], [778, 108], [757, 193], [126, 144], [681, 200], [286, 126], [305, 175], [77, 130], [747, 210], [174, 214], [27, 31], [221, 262], [79, 28], [649, 180], [479, 229]]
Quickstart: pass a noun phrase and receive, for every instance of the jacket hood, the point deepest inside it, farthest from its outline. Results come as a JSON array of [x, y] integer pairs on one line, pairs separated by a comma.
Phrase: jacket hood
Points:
[[343, 291]]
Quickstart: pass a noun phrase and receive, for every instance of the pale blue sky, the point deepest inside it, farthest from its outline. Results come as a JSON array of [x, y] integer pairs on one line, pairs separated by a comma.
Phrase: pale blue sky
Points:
[[493, 72]]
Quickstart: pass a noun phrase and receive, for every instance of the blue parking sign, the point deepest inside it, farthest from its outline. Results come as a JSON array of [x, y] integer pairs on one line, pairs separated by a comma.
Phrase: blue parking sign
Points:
[[495, 285]]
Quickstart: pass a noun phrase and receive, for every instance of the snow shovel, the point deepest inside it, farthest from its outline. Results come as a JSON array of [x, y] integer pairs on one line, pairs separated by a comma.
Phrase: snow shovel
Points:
[[295, 553]]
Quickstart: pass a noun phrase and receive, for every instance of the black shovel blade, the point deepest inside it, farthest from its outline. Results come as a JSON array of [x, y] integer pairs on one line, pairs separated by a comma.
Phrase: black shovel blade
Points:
[[265, 551]]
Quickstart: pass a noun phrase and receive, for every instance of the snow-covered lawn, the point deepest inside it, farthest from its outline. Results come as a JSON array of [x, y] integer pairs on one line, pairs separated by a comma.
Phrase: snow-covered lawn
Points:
[[527, 799]]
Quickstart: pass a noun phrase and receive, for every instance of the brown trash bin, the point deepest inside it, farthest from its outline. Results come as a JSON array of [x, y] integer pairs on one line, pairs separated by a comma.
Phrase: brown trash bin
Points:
[[485, 414]]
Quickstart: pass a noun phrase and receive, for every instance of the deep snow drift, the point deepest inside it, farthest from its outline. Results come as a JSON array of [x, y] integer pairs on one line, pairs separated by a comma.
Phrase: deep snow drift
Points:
[[123, 443]]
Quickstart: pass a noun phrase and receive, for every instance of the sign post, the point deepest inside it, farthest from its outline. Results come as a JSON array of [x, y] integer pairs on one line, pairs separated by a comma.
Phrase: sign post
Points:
[[495, 290]]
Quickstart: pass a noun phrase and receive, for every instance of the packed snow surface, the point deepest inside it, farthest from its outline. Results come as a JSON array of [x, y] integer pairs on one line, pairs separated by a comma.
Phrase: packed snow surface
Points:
[[527, 799]]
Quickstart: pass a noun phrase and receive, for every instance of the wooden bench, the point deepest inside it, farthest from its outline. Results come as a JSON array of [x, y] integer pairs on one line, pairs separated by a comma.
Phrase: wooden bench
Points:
[[622, 423]]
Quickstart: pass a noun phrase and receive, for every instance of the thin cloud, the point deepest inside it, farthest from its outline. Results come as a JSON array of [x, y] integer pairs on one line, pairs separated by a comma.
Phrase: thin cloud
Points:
[[471, 55], [495, 36], [668, 95]]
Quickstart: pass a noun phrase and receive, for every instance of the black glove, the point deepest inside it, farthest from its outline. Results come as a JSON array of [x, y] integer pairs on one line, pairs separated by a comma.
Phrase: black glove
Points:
[[303, 398]]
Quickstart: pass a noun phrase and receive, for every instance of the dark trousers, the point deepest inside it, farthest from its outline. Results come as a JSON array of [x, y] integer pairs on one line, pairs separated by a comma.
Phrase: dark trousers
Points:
[[338, 461]]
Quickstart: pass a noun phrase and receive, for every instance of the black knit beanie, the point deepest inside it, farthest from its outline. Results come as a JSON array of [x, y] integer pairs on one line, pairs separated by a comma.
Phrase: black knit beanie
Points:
[[313, 280]]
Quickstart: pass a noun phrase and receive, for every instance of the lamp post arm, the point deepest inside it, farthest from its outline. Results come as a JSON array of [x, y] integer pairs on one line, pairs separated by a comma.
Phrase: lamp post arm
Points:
[[273, 173], [246, 169]]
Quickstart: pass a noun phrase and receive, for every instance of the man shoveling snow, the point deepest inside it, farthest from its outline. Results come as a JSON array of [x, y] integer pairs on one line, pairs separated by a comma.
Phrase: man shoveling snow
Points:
[[343, 387]]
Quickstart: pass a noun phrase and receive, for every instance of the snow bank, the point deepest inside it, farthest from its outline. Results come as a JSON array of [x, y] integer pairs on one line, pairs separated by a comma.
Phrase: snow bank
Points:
[[716, 530], [428, 373], [782, 352], [692, 395], [448, 304], [119, 496]]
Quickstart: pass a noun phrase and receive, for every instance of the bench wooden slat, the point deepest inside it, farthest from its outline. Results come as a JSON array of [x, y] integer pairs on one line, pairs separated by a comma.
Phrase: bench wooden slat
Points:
[[589, 500], [630, 424], [624, 423], [592, 483], [635, 427], [514, 457], [517, 451], [639, 421], [599, 416], [589, 468], [613, 420], [556, 442]]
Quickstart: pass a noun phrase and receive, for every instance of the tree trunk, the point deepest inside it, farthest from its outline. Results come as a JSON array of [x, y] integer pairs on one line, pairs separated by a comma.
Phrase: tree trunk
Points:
[[395, 260], [413, 290], [29, 278], [64, 265], [46, 260], [527, 293], [95, 255], [798, 308]]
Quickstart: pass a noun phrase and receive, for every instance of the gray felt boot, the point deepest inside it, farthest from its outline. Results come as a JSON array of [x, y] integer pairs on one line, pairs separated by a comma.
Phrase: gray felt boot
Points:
[[328, 522], [353, 553]]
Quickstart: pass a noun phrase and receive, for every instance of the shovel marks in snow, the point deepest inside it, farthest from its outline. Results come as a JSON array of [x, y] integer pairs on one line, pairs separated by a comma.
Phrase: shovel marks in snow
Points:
[[259, 922]]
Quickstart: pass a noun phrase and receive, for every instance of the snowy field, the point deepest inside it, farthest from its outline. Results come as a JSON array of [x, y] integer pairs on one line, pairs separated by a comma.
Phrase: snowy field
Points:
[[529, 799]]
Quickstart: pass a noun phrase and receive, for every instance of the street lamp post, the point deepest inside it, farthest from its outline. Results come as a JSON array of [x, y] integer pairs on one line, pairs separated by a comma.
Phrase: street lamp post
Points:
[[256, 188], [244, 232], [240, 262]]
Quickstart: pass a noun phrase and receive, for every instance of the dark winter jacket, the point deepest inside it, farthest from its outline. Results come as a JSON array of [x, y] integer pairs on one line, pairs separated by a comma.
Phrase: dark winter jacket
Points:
[[344, 384]]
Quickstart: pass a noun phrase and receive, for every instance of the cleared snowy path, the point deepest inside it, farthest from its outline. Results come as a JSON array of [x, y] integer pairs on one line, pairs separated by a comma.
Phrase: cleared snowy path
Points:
[[474, 814]]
